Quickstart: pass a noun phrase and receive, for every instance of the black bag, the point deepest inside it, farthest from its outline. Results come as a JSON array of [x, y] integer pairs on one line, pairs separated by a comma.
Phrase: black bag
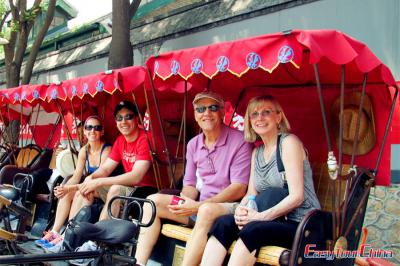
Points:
[[270, 197], [273, 195], [88, 214]]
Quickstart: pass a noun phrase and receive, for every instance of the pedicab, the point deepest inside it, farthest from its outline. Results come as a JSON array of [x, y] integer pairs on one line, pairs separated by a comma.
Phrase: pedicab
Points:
[[337, 96], [72, 101]]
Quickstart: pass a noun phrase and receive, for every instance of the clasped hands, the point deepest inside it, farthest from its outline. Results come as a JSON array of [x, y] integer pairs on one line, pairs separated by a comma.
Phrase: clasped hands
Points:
[[244, 215], [88, 186]]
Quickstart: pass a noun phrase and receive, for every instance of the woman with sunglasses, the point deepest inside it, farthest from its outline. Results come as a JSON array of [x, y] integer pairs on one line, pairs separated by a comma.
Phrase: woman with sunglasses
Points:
[[90, 157], [281, 178]]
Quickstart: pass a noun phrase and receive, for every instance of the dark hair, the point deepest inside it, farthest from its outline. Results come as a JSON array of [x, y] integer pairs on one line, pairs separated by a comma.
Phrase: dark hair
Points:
[[91, 117], [125, 104]]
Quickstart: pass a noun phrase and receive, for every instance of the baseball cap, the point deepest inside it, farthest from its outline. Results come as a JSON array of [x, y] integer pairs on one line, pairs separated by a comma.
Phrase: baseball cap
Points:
[[125, 104], [210, 95]]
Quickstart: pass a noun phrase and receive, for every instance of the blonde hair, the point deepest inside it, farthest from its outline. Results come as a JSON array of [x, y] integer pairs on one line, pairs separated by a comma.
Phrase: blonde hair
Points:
[[249, 134]]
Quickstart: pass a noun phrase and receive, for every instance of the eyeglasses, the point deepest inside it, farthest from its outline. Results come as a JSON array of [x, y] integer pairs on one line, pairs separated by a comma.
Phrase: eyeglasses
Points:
[[96, 127], [263, 113], [213, 108], [126, 117]]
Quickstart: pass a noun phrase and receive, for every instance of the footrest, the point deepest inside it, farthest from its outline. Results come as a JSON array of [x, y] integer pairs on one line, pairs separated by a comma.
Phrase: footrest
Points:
[[271, 255], [7, 235], [9, 192], [107, 231]]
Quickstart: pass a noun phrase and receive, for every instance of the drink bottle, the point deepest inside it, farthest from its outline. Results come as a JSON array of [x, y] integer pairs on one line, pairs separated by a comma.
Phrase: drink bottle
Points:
[[251, 203]]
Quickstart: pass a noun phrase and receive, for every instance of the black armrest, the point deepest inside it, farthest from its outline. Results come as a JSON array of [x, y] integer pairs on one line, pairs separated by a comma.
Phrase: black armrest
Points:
[[133, 201]]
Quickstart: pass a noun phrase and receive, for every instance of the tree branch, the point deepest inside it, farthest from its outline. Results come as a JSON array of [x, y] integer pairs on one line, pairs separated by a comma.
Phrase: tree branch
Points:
[[3, 20], [133, 7], [38, 41], [14, 10]]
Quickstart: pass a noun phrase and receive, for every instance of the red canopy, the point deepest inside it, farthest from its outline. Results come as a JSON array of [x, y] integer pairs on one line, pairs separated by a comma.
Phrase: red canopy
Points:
[[102, 90], [282, 64]]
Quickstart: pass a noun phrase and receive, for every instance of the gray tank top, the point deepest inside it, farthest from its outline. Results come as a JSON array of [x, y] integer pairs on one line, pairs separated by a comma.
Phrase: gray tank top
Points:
[[266, 174]]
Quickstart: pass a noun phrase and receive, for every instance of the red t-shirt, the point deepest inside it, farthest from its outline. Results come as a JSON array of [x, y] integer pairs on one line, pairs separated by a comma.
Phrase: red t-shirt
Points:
[[131, 152]]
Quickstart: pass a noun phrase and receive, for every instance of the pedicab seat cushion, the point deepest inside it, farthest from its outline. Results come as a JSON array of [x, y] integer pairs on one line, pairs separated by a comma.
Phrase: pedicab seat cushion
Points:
[[9, 192], [108, 231], [271, 255]]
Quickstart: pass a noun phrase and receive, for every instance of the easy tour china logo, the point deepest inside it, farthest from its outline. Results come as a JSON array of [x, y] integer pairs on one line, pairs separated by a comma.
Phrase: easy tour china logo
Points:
[[365, 251]]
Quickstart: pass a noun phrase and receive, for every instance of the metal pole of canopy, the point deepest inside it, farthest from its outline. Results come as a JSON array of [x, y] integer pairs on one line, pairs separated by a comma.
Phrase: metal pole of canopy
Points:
[[72, 147], [349, 180], [179, 137], [328, 141], [4, 124], [76, 124], [36, 120], [156, 173], [21, 126], [236, 105], [8, 133], [341, 120], [151, 128], [52, 132], [184, 126], [182, 132], [321, 104], [21, 136], [160, 124], [386, 130], [357, 133], [339, 188]]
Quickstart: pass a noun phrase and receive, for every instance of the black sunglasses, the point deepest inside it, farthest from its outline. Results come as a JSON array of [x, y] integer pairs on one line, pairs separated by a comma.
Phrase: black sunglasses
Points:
[[126, 117], [96, 127], [213, 108]]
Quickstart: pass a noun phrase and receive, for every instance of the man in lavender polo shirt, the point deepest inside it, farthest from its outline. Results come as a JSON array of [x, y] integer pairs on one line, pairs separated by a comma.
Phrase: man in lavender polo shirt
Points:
[[217, 172]]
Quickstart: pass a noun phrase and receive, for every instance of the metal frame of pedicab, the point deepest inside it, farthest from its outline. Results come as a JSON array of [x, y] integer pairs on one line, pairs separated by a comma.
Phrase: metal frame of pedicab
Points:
[[103, 90], [17, 107], [315, 59]]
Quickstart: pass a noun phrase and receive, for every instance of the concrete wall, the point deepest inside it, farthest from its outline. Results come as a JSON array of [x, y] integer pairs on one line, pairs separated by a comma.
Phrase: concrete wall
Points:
[[372, 22]]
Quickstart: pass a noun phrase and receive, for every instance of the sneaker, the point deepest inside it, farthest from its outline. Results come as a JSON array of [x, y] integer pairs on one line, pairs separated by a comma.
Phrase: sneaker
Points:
[[54, 246], [87, 246], [48, 237]]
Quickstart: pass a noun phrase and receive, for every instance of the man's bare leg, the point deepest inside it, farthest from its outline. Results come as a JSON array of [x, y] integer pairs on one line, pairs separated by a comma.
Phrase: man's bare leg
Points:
[[149, 235], [207, 214], [114, 190]]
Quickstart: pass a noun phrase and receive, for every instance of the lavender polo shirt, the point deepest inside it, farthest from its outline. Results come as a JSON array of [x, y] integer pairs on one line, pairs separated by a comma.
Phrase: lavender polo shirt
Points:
[[226, 163]]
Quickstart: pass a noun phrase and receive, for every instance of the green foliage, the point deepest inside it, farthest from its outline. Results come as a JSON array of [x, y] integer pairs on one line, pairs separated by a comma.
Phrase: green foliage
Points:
[[15, 25], [30, 14], [3, 7]]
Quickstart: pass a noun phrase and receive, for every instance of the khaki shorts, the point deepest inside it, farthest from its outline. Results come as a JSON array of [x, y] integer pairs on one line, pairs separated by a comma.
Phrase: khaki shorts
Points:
[[230, 206], [124, 191]]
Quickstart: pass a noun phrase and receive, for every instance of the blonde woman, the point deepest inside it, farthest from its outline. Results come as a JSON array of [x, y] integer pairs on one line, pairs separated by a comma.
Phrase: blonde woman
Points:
[[277, 224], [90, 158]]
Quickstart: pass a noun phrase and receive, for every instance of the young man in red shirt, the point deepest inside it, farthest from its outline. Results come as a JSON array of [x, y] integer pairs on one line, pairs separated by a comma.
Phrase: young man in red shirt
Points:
[[132, 150]]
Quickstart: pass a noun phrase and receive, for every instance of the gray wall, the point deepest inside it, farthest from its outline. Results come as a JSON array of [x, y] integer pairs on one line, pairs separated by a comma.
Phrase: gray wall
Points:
[[374, 22]]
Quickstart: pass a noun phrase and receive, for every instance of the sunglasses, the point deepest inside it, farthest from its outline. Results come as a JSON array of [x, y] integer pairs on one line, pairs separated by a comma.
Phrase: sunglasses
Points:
[[264, 113], [126, 117], [213, 108], [96, 127]]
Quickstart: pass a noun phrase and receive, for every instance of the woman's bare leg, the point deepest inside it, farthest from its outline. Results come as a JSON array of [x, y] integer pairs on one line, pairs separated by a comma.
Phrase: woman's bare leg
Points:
[[62, 211], [241, 255], [214, 253]]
